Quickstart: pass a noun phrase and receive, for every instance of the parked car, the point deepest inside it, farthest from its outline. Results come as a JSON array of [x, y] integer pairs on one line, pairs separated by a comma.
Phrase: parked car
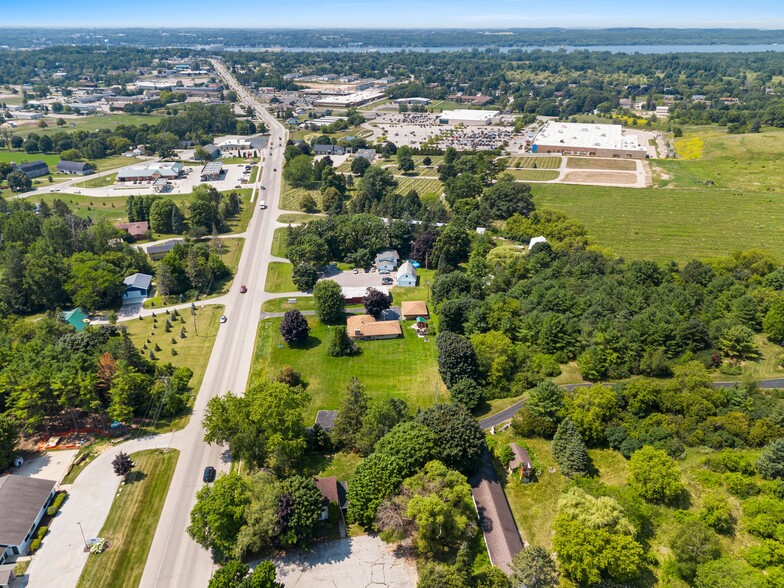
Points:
[[243, 289], [387, 281], [383, 272], [356, 271], [223, 319], [263, 188], [209, 474]]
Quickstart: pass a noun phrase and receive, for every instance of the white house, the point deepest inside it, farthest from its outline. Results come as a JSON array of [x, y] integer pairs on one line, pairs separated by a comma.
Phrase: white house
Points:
[[387, 260], [406, 275], [23, 502]]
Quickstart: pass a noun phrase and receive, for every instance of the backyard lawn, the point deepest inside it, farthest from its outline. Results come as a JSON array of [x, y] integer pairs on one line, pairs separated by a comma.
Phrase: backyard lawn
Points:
[[279, 277], [404, 368], [132, 522]]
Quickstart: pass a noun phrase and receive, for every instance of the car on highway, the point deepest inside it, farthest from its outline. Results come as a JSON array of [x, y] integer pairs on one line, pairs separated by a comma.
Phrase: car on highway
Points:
[[243, 289], [223, 319], [209, 474]]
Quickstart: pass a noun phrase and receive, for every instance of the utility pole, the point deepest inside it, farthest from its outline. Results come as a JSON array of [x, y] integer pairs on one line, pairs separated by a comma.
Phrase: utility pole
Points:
[[86, 547]]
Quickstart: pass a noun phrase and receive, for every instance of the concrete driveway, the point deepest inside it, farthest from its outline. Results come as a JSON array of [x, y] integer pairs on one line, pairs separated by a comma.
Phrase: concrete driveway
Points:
[[52, 465], [358, 562]]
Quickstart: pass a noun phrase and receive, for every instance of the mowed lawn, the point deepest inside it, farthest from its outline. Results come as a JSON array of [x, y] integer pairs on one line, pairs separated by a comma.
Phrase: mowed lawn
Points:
[[291, 197], [534, 162], [192, 352], [279, 278], [679, 224], [423, 186], [132, 522], [404, 368], [532, 175], [597, 163]]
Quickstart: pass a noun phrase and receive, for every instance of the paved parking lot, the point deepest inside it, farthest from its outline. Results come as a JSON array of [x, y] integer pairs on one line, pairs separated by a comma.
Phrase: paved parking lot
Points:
[[360, 279], [52, 465], [358, 562]]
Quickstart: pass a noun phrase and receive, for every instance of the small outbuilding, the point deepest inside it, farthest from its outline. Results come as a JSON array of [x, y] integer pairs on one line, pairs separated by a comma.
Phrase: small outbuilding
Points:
[[413, 309], [326, 419], [406, 275], [521, 464], [74, 168], [137, 287], [333, 491], [161, 250], [77, 318]]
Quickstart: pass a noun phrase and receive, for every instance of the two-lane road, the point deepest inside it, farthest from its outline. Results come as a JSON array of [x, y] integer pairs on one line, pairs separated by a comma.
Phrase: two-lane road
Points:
[[176, 560]]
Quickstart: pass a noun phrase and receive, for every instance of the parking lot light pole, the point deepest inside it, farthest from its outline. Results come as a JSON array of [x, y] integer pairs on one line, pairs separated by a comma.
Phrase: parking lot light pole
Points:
[[86, 547]]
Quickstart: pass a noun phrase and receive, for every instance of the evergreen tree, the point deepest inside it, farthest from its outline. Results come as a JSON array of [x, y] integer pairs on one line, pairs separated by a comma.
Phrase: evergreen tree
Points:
[[351, 414], [569, 450], [341, 345]]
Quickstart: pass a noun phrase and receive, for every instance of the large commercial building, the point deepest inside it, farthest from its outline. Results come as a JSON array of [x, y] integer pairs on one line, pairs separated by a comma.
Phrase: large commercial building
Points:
[[587, 139], [355, 99], [150, 172], [469, 117]]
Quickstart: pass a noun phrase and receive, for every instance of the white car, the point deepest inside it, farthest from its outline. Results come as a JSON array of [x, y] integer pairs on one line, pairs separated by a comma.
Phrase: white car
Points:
[[223, 319]]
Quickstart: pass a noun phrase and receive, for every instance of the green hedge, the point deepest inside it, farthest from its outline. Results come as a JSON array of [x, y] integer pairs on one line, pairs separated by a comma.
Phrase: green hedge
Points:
[[59, 498]]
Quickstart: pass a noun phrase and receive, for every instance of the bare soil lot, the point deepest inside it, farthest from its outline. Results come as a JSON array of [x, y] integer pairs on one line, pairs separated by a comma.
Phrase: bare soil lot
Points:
[[593, 163]]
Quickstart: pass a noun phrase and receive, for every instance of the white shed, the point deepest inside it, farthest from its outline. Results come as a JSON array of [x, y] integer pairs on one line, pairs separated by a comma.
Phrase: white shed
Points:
[[406, 275]]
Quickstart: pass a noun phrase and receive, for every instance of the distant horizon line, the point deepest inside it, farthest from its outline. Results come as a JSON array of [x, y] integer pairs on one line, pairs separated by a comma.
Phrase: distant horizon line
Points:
[[328, 28]]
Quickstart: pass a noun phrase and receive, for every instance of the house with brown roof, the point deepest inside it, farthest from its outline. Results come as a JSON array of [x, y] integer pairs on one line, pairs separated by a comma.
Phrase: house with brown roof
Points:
[[413, 309], [137, 230], [521, 464], [365, 327], [332, 491]]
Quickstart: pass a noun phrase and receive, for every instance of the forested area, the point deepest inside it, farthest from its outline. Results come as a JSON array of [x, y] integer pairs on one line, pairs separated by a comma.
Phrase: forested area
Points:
[[51, 376]]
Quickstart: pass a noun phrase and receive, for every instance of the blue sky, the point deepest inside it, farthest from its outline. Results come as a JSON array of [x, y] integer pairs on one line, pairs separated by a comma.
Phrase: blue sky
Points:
[[395, 13]]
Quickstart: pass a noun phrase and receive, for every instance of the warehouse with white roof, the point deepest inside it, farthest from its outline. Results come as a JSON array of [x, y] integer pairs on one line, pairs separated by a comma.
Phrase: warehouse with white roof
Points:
[[587, 139], [469, 117]]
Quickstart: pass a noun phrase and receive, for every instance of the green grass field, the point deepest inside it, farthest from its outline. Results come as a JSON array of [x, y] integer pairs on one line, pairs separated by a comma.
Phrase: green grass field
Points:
[[679, 224], [732, 162], [298, 218], [423, 186], [283, 304], [132, 522], [544, 162], [279, 278], [594, 163], [405, 367], [290, 196], [279, 242], [91, 123], [50, 159], [192, 352], [98, 182], [533, 175]]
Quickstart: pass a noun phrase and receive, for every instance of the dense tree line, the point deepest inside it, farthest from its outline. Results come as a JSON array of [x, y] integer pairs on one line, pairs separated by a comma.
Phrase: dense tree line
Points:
[[55, 377], [52, 259]]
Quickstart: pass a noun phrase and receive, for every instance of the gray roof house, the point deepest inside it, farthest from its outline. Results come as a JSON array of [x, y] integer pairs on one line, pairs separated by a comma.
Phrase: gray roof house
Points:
[[33, 169], [213, 150], [137, 287], [329, 149], [158, 251], [75, 168], [387, 260], [23, 502], [369, 154]]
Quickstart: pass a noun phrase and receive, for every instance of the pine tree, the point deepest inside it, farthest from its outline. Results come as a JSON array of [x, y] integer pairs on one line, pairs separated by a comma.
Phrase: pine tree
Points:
[[569, 450], [341, 345]]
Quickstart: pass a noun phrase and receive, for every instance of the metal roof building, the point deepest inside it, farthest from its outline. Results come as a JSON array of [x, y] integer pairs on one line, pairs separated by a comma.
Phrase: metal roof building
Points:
[[587, 139]]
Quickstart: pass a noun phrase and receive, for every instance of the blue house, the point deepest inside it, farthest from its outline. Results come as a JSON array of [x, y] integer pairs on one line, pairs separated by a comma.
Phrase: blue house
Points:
[[137, 287]]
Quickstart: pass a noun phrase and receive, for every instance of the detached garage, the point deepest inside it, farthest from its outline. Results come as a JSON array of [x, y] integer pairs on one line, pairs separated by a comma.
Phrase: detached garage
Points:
[[137, 287]]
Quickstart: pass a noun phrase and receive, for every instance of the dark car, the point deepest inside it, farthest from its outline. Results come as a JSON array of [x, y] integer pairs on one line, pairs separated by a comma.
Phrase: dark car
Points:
[[387, 281], [209, 474], [243, 289]]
